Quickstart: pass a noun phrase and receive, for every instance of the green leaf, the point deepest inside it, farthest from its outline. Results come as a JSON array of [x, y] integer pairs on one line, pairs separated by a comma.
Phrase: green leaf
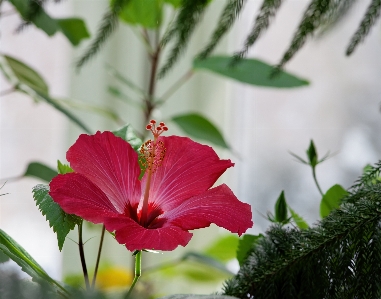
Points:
[[63, 168], [127, 133], [147, 13], [41, 171], [26, 75], [244, 246], [42, 20], [223, 249], [300, 222], [61, 222], [191, 296], [74, 29], [281, 214], [197, 126], [3, 257], [22, 258], [174, 3], [332, 200], [251, 71]]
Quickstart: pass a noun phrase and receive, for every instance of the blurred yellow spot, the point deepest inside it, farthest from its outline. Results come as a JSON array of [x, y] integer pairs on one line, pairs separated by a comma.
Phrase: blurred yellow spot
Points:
[[113, 277]]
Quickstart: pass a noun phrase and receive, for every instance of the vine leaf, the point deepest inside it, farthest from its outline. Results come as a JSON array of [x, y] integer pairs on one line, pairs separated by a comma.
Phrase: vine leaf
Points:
[[41, 171], [127, 133], [61, 222]]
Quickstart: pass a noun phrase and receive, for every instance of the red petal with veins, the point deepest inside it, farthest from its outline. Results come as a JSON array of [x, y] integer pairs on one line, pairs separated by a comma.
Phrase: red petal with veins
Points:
[[188, 169], [110, 163], [218, 205], [136, 237], [77, 195]]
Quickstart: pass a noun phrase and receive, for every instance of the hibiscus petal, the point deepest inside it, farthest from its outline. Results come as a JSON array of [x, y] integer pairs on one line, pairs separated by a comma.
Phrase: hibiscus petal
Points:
[[136, 237], [111, 164], [77, 195], [188, 169], [218, 205]]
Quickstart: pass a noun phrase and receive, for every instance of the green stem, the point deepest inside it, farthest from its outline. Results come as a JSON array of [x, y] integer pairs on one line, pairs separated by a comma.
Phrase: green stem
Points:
[[82, 256], [98, 257], [316, 182], [138, 271], [176, 86]]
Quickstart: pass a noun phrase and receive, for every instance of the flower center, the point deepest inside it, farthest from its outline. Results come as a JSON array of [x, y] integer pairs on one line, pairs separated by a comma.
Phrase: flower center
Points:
[[152, 154]]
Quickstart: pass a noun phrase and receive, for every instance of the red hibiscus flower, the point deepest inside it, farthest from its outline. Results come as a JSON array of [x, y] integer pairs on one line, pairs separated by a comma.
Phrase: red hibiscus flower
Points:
[[173, 197]]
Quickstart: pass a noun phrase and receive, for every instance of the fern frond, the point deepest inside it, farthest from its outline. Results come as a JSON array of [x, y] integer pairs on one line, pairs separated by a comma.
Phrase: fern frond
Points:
[[335, 259], [188, 17], [107, 26], [267, 11], [337, 11], [227, 19], [370, 17], [312, 18]]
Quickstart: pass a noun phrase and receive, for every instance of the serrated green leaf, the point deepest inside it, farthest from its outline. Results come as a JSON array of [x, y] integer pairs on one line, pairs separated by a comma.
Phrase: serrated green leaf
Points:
[[63, 168], [41, 171], [145, 13], [26, 74], [250, 71], [299, 221], [332, 200], [74, 29], [3, 257], [281, 214], [22, 258], [244, 246], [223, 249], [128, 134], [61, 222], [191, 296], [197, 126]]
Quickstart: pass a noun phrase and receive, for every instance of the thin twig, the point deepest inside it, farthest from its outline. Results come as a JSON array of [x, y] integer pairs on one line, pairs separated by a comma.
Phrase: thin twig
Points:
[[82, 256], [98, 257], [7, 91], [176, 85]]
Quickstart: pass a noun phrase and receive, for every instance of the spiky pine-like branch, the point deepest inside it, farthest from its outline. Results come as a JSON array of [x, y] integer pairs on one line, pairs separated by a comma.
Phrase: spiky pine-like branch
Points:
[[107, 26], [370, 17], [226, 21], [339, 258], [262, 22], [188, 17]]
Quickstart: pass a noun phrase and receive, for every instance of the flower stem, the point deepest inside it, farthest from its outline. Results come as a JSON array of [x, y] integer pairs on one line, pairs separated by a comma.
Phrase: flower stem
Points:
[[98, 257], [316, 182], [138, 272], [82, 256]]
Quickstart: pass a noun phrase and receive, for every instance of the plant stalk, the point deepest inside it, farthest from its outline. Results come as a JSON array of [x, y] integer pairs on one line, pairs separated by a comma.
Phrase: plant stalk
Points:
[[98, 257], [82, 256], [138, 272], [316, 182]]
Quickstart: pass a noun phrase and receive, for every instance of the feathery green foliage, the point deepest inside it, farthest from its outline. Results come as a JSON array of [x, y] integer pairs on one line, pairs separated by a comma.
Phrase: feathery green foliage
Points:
[[262, 21], [312, 18], [339, 258], [107, 26], [188, 17], [370, 17], [227, 19]]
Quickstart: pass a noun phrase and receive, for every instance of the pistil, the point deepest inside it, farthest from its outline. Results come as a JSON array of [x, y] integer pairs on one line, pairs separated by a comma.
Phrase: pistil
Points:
[[152, 154]]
